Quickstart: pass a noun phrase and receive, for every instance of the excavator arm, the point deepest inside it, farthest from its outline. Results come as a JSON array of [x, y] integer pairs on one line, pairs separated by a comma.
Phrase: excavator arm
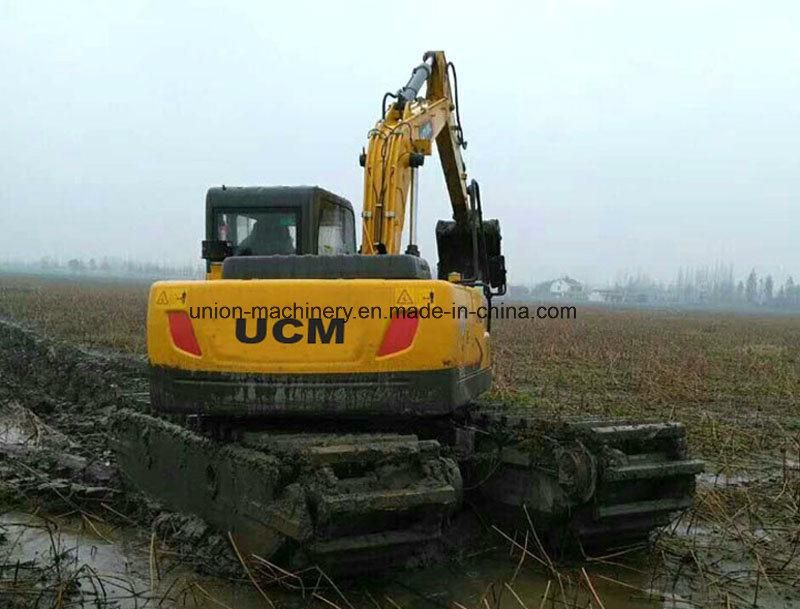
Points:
[[397, 147]]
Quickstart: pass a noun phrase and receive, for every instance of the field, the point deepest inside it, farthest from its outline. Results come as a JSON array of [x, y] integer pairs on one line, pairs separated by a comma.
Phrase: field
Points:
[[733, 380]]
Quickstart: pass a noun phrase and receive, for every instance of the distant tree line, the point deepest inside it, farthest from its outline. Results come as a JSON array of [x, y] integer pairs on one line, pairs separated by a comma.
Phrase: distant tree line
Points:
[[710, 286], [105, 266], [716, 285]]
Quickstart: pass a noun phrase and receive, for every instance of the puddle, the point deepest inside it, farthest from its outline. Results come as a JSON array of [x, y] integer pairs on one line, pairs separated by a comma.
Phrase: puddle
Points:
[[711, 479], [722, 567], [115, 571], [11, 434], [20, 427], [763, 470]]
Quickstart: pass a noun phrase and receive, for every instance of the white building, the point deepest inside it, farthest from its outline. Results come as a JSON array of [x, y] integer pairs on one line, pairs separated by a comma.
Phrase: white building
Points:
[[565, 287]]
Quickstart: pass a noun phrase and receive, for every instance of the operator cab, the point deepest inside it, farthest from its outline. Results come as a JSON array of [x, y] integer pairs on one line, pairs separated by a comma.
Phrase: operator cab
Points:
[[282, 232], [276, 221]]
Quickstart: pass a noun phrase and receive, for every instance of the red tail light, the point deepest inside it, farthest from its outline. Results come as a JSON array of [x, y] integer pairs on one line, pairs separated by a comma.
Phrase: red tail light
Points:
[[180, 328], [399, 335]]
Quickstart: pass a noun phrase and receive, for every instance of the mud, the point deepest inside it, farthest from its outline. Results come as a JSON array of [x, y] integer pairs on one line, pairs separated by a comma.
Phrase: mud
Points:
[[104, 566], [121, 567], [57, 406]]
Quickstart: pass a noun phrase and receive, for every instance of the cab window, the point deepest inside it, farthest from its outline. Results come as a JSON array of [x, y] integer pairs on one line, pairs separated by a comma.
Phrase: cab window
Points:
[[258, 232], [336, 230]]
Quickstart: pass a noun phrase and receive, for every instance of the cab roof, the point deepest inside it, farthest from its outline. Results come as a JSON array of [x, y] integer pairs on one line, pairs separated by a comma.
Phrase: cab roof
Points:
[[226, 197]]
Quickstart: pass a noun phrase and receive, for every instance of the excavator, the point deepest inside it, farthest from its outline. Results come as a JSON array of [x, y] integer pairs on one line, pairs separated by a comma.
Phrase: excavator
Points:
[[321, 403]]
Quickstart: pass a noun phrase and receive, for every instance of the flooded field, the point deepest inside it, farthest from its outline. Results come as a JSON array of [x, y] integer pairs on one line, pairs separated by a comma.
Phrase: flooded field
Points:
[[123, 567], [102, 565]]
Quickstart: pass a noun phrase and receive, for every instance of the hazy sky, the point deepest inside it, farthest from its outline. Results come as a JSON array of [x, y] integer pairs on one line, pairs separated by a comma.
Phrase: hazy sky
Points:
[[607, 136]]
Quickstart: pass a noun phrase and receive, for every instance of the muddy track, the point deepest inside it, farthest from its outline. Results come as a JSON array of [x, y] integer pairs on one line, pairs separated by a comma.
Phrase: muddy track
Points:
[[70, 389], [57, 402]]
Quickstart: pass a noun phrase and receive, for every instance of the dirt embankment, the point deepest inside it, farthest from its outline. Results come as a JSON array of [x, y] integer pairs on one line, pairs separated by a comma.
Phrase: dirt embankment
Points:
[[56, 405]]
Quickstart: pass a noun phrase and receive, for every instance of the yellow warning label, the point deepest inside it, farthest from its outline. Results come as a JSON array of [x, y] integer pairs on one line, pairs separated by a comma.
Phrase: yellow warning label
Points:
[[171, 298], [404, 298], [409, 297]]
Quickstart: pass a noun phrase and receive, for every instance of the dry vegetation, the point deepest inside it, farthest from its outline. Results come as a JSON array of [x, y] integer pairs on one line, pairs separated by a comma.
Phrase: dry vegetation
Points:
[[733, 380], [96, 313]]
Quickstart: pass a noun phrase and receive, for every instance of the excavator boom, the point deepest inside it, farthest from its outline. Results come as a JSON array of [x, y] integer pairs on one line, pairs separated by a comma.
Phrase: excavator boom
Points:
[[398, 144]]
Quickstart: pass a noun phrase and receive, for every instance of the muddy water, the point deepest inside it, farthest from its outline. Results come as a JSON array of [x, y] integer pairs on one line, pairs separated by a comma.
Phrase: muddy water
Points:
[[122, 559], [488, 576]]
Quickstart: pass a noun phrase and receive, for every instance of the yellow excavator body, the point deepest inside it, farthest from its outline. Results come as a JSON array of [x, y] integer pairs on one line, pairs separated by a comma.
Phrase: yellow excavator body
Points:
[[315, 341], [326, 396], [348, 346]]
